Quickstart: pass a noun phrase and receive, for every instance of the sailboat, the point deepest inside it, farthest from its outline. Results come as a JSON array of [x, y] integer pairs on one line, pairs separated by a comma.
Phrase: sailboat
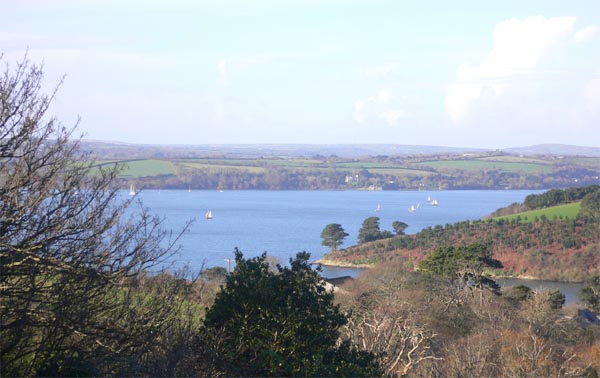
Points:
[[434, 202], [428, 199], [209, 214], [131, 190], [189, 189], [412, 209], [378, 207]]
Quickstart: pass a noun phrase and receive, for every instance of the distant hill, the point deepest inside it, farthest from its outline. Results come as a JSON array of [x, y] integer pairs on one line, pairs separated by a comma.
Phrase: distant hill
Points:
[[117, 150], [104, 149], [555, 149], [126, 150]]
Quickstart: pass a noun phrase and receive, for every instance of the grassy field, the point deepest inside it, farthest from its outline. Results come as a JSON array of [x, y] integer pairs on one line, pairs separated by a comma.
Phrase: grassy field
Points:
[[514, 159], [569, 210], [214, 167], [400, 172], [477, 164], [150, 167], [141, 168], [364, 165]]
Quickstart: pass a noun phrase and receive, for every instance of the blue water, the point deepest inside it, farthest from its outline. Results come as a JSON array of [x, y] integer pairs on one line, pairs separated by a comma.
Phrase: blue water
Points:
[[569, 289], [286, 222]]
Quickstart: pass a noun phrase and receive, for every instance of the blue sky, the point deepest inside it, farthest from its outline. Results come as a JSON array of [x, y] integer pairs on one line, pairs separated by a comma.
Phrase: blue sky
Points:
[[452, 73]]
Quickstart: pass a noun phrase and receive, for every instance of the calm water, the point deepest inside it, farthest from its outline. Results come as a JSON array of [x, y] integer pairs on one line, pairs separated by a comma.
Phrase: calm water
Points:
[[286, 222], [569, 289]]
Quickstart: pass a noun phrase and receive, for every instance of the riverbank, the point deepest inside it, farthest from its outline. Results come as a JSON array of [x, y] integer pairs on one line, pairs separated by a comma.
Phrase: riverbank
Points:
[[341, 264], [344, 264]]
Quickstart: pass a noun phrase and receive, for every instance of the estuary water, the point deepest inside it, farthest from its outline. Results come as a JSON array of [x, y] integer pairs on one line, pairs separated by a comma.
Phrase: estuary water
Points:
[[286, 222], [569, 289]]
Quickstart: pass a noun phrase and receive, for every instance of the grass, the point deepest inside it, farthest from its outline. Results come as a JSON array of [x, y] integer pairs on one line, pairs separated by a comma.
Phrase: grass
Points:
[[221, 167], [514, 159], [569, 210], [365, 165], [400, 172], [145, 168], [505, 166]]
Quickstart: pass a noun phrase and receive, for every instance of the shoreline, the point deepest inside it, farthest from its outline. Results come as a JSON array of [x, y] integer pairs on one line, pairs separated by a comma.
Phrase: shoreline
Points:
[[341, 264]]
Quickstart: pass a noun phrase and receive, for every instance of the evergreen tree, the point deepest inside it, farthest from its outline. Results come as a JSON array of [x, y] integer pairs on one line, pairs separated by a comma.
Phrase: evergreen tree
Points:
[[283, 323], [369, 231], [333, 236]]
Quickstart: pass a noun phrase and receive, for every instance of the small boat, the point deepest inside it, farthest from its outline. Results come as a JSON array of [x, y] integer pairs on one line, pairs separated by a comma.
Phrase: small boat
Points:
[[131, 190], [434, 202], [428, 199], [209, 214], [378, 207], [189, 189], [419, 205], [411, 209]]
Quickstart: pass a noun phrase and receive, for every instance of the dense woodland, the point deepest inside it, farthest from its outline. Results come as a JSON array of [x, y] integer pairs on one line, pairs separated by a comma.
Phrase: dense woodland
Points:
[[80, 297]]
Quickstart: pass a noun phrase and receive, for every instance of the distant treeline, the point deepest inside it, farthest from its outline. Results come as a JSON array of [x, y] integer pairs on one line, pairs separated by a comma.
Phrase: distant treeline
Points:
[[556, 197], [388, 174]]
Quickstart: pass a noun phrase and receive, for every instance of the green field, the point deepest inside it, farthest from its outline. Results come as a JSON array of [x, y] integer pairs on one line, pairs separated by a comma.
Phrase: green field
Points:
[[400, 172], [145, 168], [504, 166], [214, 167], [569, 210], [514, 159], [365, 165]]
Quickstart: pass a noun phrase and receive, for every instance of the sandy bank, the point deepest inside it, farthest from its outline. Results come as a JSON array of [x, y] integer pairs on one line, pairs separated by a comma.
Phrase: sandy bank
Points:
[[341, 264]]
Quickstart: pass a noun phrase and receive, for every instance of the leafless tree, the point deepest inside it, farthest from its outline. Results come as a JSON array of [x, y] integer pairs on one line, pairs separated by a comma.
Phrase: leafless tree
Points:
[[384, 322], [71, 252]]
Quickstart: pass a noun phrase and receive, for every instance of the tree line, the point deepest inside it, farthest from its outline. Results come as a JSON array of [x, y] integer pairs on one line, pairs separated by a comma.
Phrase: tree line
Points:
[[333, 234]]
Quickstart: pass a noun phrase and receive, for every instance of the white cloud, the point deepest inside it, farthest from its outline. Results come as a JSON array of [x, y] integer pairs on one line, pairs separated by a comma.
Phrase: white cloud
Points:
[[382, 107], [513, 64], [391, 116], [585, 34]]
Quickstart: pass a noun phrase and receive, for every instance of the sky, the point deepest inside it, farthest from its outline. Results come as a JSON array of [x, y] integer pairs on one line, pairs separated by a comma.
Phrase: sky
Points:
[[486, 74]]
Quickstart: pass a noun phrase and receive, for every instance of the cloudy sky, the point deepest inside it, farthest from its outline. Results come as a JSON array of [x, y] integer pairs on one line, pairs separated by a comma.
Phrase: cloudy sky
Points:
[[488, 74]]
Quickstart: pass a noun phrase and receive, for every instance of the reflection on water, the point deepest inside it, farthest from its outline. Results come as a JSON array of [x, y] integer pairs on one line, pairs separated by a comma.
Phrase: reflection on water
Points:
[[569, 289]]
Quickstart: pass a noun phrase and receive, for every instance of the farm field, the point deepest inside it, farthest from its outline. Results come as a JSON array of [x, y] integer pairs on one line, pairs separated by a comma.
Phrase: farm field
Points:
[[569, 210], [387, 173], [147, 168], [481, 164]]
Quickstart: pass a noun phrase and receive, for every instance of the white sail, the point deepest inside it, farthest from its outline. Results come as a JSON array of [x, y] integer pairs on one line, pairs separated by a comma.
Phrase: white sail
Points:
[[411, 208], [209, 214], [378, 207], [131, 190], [434, 202]]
